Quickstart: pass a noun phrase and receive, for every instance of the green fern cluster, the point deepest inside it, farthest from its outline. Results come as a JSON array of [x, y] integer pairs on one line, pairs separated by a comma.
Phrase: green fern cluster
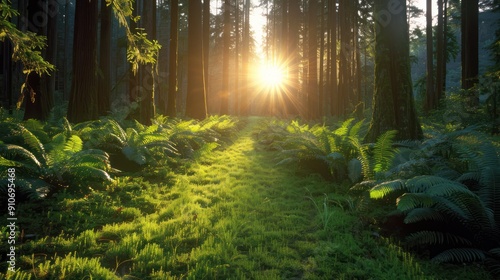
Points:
[[462, 216], [48, 163], [339, 148]]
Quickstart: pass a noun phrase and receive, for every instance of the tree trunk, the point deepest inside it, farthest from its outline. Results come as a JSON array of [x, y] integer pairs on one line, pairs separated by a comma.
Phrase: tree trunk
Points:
[[40, 89], [393, 105], [470, 66], [196, 106], [206, 45], [104, 61], [312, 95], [245, 99], [237, 57], [224, 95], [440, 55], [83, 100], [172, 69], [431, 100], [148, 79], [294, 54], [333, 72]]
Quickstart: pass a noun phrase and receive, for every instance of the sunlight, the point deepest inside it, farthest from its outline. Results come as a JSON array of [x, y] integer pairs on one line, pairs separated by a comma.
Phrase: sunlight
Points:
[[271, 76]]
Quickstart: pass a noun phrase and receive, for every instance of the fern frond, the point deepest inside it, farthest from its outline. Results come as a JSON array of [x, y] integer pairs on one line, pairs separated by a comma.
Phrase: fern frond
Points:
[[91, 157], [356, 129], [424, 182], [410, 201], [448, 189], [343, 130], [384, 153], [460, 255], [363, 157], [355, 170], [36, 147], [385, 188], [73, 145], [424, 214], [19, 154], [435, 238], [83, 174]]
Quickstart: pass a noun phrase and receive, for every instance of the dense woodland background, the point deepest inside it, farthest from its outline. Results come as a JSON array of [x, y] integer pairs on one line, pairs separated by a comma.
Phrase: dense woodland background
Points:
[[328, 50]]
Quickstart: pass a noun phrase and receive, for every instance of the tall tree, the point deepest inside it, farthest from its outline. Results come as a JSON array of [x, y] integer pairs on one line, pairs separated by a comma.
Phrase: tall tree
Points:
[[148, 79], [470, 62], [333, 50], [294, 55], [40, 88], [431, 100], [172, 69], [206, 44], [83, 100], [224, 95], [237, 56], [245, 57], [440, 53], [312, 98], [104, 81], [393, 104], [196, 106]]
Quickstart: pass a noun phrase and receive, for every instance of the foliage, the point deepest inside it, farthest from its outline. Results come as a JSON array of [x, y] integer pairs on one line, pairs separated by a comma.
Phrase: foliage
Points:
[[137, 143], [340, 149], [27, 45], [45, 168], [217, 220], [140, 49], [460, 216]]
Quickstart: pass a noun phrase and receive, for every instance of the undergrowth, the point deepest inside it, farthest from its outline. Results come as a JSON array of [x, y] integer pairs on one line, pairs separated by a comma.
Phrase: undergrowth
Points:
[[232, 213]]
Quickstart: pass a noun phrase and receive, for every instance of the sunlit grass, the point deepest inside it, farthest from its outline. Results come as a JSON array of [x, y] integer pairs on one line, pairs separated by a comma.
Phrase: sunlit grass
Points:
[[234, 215]]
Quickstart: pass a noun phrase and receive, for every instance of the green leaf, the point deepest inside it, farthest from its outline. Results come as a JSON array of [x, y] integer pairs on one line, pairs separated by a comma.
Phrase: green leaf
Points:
[[409, 201], [385, 188], [74, 144], [460, 255], [354, 169]]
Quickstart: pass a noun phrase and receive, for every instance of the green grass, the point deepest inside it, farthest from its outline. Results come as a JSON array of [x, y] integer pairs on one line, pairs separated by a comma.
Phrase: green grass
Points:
[[233, 214]]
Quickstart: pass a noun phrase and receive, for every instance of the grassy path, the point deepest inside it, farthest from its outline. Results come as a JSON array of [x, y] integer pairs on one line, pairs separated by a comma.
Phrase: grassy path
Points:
[[236, 215], [232, 215]]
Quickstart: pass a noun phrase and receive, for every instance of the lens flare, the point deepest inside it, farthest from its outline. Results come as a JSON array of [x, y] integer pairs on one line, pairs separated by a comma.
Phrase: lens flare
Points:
[[271, 76]]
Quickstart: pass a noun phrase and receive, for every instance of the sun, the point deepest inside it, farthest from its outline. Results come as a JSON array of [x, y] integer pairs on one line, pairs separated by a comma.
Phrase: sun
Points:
[[271, 76]]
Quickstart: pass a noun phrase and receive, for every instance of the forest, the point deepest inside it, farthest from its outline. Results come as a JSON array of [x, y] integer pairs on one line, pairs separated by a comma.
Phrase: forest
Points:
[[250, 139]]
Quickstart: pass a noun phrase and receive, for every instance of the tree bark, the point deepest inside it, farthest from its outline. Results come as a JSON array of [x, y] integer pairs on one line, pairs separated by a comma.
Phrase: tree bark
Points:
[[393, 104], [312, 94], [148, 81], [224, 95], [245, 99], [440, 55], [104, 61], [206, 45], [431, 100], [470, 63], [83, 100], [172, 69], [196, 106]]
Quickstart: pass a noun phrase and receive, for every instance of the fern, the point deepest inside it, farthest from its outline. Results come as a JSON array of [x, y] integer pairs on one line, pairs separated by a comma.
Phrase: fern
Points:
[[385, 188], [420, 214], [19, 156], [73, 144], [383, 152], [461, 255], [436, 238]]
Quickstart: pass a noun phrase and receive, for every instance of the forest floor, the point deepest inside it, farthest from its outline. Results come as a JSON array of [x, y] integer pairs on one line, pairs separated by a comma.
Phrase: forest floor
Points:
[[233, 215]]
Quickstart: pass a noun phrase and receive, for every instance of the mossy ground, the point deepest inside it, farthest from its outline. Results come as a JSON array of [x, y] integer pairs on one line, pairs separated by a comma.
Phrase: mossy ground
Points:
[[233, 214]]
